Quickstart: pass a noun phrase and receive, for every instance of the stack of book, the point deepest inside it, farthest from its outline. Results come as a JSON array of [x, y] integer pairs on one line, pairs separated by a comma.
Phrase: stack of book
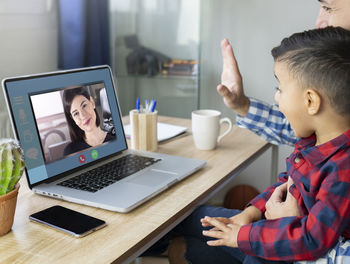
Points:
[[180, 67]]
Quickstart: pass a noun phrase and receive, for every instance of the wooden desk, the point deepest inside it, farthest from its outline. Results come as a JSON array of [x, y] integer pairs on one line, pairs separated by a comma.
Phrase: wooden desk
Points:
[[128, 235]]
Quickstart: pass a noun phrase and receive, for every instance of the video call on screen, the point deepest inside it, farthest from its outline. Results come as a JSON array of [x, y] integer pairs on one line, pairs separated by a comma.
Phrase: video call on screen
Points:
[[52, 124]]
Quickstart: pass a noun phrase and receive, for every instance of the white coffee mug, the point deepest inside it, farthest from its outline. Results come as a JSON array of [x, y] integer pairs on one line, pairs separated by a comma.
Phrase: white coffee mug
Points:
[[206, 128]]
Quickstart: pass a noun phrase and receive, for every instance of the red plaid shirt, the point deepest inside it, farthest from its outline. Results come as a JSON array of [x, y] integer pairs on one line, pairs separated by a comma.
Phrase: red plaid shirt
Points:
[[321, 176]]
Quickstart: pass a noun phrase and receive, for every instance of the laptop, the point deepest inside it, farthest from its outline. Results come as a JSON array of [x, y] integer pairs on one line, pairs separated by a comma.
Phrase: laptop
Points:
[[62, 165]]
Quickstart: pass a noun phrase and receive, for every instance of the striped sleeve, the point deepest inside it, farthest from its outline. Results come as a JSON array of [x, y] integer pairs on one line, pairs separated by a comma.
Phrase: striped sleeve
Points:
[[267, 122]]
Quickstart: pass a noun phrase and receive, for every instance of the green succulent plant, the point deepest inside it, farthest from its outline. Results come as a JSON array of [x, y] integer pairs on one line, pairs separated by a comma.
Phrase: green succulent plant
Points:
[[11, 165]]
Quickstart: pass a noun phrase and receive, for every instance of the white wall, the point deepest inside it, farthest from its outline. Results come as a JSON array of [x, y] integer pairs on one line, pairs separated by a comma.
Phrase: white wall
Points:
[[253, 27], [28, 30]]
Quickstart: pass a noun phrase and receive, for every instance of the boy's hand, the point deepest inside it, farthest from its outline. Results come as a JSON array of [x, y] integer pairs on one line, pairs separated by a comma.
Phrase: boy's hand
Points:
[[282, 203], [224, 220], [231, 87], [226, 234], [249, 215], [239, 219]]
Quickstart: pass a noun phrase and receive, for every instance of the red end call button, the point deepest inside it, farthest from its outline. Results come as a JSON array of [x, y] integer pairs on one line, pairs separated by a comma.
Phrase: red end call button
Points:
[[82, 159]]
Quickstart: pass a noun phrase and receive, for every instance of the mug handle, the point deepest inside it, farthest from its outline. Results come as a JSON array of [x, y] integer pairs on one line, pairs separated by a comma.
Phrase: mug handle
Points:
[[228, 121]]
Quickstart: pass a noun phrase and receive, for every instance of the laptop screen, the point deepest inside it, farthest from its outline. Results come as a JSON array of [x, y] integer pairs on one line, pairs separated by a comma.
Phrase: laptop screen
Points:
[[65, 120]]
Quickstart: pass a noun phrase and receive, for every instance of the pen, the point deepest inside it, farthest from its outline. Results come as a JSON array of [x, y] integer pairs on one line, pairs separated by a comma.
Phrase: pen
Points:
[[146, 106], [138, 104], [153, 103]]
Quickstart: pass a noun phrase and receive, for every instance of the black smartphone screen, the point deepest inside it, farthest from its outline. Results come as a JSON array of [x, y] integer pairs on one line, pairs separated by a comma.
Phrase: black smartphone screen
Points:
[[68, 220]]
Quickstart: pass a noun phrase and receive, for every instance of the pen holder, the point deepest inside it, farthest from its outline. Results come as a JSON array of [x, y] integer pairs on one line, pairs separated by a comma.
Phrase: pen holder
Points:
[[143, 130]]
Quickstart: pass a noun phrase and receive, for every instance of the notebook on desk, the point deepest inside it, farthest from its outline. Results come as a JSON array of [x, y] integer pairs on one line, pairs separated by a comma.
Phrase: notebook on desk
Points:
[[164, 131], [66, 164]]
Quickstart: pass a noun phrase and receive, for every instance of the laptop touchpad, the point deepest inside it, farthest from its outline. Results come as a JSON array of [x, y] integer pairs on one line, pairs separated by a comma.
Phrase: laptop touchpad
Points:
[[153, 178]]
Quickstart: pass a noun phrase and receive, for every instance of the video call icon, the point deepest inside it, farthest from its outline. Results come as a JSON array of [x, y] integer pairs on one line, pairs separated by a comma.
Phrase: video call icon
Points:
[[23, 116], [94, 154], [18, 100], [82, 159], [28, 136], [32, 153]]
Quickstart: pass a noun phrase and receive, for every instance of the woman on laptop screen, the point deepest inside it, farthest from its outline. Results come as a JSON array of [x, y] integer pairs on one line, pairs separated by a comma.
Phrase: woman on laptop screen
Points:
[[83, 121]]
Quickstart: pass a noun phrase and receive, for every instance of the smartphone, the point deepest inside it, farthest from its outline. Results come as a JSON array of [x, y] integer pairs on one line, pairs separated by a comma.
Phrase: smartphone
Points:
[[67, 220]]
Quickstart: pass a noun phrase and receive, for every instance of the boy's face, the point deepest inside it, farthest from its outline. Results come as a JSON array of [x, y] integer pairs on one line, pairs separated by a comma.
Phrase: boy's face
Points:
[[334, 13], [290, 98]]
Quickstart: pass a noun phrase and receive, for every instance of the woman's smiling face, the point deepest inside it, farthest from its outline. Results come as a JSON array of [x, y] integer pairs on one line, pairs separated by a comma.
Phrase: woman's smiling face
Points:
[[83, 113]]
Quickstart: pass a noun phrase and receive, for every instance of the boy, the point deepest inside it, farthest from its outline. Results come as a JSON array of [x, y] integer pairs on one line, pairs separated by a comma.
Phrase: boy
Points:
[[260, 117], [313, 72]]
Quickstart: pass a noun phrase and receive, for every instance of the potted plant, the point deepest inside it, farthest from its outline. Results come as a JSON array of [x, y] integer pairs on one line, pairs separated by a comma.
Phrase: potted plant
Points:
[[11, 170]]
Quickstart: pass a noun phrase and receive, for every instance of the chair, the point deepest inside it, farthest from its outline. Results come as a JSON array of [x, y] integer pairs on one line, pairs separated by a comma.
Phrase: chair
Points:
[[106, 113]]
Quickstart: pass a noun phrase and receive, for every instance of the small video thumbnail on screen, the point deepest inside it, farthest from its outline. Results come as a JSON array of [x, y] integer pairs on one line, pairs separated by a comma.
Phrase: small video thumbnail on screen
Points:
[[72, 119]]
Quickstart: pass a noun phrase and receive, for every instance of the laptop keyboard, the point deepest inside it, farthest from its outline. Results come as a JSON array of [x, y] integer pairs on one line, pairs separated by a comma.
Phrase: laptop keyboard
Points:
[[103, 176]]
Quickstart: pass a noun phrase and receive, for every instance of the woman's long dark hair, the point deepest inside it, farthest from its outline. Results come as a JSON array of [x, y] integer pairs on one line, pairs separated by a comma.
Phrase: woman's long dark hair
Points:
[[75, 132]]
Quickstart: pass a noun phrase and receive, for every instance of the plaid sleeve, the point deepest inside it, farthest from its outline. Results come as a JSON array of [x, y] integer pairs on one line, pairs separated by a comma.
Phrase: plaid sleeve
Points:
[[260, 200], [308, 237], [267, 122]]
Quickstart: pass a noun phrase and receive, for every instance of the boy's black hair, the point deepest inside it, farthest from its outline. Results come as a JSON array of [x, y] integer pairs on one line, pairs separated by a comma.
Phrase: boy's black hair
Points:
[[320, 59], [75, 132]]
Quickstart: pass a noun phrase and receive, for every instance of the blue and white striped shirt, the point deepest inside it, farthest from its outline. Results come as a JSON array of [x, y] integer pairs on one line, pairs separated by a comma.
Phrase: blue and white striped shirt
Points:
[[268, 122], [340, 254]]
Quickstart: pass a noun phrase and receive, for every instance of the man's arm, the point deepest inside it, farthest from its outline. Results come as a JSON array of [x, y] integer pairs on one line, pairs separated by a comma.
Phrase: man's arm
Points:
[[263, 119], [282, 203], [268, 122]]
